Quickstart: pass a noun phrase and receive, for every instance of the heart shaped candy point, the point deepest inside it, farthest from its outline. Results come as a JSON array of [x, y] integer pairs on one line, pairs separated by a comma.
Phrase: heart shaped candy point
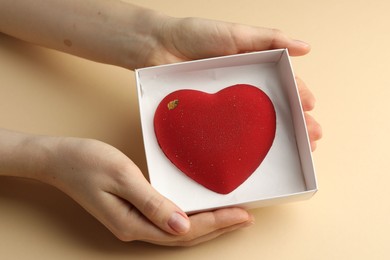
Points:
[[219, 139]]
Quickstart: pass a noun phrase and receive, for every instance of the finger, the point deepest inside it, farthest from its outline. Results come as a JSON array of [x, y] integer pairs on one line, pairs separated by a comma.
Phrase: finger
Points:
[[128, 224], [257, 39], [207, 222], [205, 238], [314, 129], [155, 207], [215, 234], [124, 220], [313, 146], [219, 232], [307, 98], [206, 226]]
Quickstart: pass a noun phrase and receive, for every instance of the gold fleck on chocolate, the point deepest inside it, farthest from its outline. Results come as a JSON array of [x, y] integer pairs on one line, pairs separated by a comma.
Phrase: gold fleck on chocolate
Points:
[[173, 104]]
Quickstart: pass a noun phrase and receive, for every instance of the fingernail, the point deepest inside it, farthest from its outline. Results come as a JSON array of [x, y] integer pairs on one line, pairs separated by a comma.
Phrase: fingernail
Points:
[[179, 223], [248, 224], [251, 220], [302, 44]]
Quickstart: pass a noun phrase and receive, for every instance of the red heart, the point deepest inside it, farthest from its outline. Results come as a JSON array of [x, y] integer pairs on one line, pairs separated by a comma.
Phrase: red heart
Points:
[[220, 139]]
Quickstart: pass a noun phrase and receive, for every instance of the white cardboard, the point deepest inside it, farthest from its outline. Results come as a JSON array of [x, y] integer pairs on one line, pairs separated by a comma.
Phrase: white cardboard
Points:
[[286, 174]]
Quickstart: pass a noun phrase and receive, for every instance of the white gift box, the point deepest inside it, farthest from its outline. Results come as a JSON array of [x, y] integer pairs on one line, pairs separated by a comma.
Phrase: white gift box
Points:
[[286, 174]]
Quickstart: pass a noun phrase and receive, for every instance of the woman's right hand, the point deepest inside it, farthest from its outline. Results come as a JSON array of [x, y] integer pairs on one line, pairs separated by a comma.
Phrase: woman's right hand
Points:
[[112, 188]]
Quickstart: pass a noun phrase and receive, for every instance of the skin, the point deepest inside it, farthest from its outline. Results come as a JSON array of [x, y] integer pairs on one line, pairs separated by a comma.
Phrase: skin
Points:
[[98, 176]]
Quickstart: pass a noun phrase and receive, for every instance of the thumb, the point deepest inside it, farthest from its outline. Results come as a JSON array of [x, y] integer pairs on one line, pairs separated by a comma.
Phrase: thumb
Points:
[[250, 38], [159, 210]]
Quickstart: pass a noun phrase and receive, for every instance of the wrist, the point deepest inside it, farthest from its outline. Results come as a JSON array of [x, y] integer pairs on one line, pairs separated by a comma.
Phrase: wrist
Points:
[[25, 155], [142, 29]]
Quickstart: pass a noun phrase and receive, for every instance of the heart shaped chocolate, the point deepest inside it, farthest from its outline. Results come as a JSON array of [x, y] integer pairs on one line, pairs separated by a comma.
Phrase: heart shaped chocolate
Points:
[[220, 139]]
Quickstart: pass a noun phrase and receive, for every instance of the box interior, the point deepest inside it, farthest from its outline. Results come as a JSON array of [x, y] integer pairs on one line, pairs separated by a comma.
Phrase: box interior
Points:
[[286, 171]]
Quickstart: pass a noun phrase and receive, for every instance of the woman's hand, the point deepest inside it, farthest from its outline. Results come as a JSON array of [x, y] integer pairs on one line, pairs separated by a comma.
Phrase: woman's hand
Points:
[[183, 39], [308, 101], [112, 188]]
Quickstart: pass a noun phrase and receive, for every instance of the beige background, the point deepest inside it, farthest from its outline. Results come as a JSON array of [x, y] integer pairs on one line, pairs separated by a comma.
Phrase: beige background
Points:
[[43, 91]]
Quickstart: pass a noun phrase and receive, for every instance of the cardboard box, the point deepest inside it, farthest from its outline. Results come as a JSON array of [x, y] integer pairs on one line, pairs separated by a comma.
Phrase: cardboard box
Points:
[[286, 174]]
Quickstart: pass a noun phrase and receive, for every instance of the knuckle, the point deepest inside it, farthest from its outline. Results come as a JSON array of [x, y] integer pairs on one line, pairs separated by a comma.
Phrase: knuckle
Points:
[[277, 36], [123, 228], [276, 31], [152, 206]]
